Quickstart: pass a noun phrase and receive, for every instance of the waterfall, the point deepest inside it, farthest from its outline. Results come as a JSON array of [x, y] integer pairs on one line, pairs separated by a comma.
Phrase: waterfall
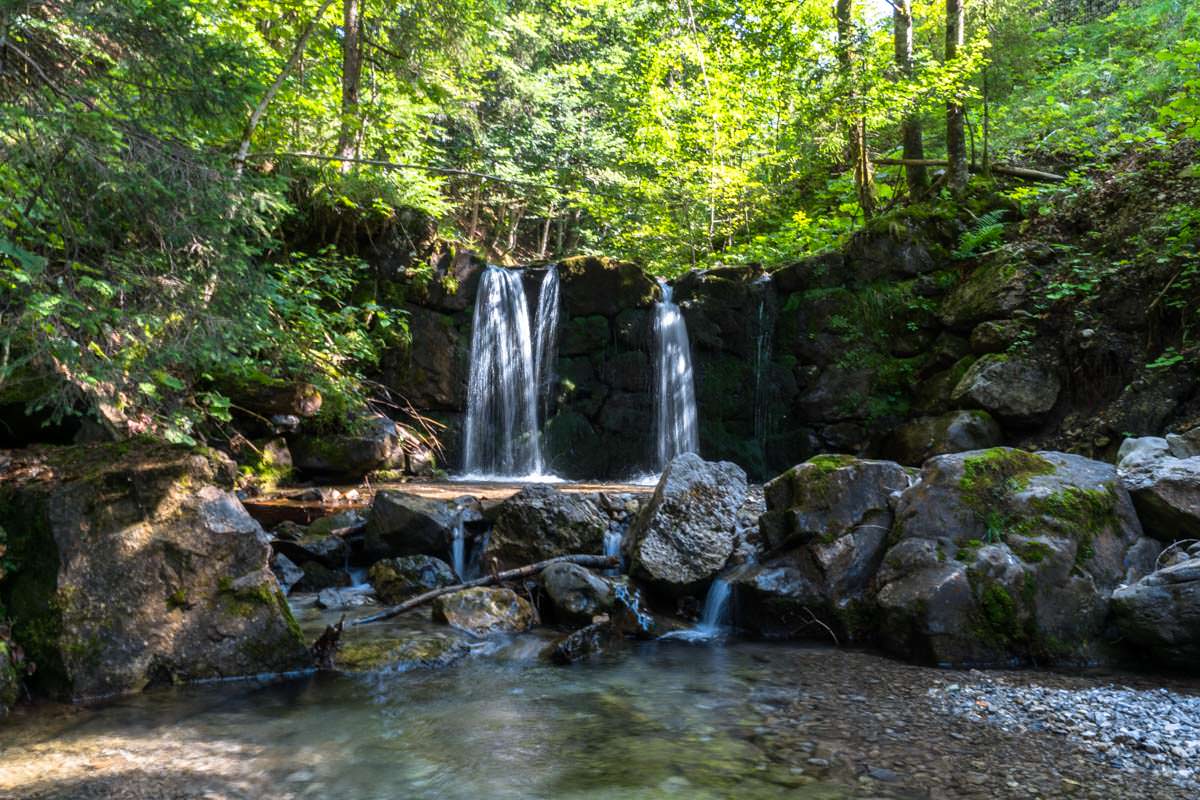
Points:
[[675, 423], [501, 428], [715, 619], [762, 359], [612, 547], [546, 339]]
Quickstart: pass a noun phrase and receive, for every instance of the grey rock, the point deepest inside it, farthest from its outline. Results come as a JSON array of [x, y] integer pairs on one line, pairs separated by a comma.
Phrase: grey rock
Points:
[[286, 572], [1013, 388], [685, 533], [376, 444], [541, 522], [956, 432], [402, 524], [577, 594], [1184, 445], [1160, 614], [397, 579], [1165, 489], [484, 610]]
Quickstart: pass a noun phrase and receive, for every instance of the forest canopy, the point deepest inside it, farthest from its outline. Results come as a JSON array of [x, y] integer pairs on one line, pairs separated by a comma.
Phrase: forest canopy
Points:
[[195, 193]]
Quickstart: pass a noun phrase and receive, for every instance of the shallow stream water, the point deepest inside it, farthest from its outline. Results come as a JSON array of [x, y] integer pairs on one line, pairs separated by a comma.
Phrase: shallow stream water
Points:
[[745, 720]]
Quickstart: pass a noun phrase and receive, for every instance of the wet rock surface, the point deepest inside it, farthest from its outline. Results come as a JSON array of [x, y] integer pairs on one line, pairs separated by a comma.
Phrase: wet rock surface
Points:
[[1160, 614], [484, 610], [541, 522], [397, 579]]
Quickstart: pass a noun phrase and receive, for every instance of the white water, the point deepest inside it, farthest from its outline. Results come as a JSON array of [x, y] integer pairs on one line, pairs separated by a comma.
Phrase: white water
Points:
[[458, 556], [501, 428], [612, 547], [715, 621], [675, 422], [546, 339]]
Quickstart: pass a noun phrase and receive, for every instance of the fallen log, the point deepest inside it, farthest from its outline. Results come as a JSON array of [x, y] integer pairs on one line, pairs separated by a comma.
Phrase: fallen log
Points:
[[488, 580], [999, 169]]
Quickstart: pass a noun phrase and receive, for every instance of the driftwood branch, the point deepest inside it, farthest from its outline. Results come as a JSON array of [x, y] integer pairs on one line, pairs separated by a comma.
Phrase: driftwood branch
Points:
[[1000, 169], [488, 580]]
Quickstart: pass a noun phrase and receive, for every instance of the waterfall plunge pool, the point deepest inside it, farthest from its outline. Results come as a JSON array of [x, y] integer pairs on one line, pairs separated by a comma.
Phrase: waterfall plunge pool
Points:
[[661, 720]]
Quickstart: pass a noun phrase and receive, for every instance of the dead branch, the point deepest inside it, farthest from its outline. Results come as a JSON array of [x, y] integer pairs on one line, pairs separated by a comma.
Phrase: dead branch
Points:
[[488, 580], [999, 169]]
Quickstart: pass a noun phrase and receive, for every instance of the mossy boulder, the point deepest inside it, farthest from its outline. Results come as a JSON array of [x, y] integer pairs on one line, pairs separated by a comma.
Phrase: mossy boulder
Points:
[[366, 650], [993, 290], [372, 443], [541, 522], [1004, 556], [134, 564], [397, 579], [956, 432], [484, 610], [826, 528], [575, 593]]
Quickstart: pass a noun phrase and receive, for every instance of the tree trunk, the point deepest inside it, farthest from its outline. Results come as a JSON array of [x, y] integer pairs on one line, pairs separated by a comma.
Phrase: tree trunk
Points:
[[915, 175], [856, 144], [956, 139], [256, 116], [351, 78]]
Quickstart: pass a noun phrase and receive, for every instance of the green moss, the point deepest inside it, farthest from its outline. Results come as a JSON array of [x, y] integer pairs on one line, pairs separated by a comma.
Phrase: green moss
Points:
[[829, 462], [1082, 514], [989, 480], [1031, 552], [246, 602], [178, 599]]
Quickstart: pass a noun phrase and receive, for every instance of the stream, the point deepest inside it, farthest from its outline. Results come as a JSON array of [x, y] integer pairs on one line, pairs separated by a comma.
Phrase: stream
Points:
[[661, 720]]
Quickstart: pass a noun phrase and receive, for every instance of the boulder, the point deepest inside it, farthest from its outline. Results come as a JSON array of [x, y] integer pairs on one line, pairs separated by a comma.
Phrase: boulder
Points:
[[956, 432], [686, 532], [402, 524], [1004, 556], [992, 291], [134, 564], [1184, 445], [1160, 615], [286, 572], [366, 649], [397, 579], [1165, 489], [484, 610], [1013, 388], [826, 523], [345, 598], [588, 641], [375, 442], [996, 336], [541, 522], [576, 594]]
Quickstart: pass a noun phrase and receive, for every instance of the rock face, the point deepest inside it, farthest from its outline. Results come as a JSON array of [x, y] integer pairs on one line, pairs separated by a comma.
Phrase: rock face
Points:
[[577, 594], [484, 610], [10, 678], [826, 526], [1003, 555], [1165, 488], [686, 532], [1016, 389], [1160, 615], [397, 579], [134, 566], [955, 432], [540, 522], [402, 524]]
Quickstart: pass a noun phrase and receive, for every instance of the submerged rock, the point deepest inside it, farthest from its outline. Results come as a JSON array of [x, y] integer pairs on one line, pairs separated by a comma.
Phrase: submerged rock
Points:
[[483, 610], [577, 594], [1165, 488], [370, 651], [1160, 615], [1003, 555], [591, 640], [541, 522], [135, 565], [687, 530], [397, 579]]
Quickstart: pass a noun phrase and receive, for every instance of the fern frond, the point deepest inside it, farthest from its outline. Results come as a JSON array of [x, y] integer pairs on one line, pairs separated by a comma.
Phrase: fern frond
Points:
[[987, 230]]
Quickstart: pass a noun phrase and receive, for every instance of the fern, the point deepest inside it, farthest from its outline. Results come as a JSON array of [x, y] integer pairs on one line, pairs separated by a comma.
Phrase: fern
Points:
[[986, 231]]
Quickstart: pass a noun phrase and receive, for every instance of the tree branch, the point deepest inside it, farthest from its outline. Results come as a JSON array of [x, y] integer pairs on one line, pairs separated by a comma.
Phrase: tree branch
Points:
[[1001, 169], [374, 162], [488, 580]]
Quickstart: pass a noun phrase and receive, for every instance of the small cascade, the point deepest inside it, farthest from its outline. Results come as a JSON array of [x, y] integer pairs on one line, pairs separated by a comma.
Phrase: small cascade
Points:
[[676, 424], [612, 547], [764, 325], [458, 556], [501, 436], [715, 621], [546, 340]]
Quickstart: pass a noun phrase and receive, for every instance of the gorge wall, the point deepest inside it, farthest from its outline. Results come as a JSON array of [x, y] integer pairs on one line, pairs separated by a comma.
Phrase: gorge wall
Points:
[[890, 347]]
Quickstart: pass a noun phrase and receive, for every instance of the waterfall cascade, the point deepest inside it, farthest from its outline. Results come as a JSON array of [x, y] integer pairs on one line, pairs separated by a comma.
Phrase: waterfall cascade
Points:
[[676, 427], [715, 620], [501, 432], [546, 340]]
